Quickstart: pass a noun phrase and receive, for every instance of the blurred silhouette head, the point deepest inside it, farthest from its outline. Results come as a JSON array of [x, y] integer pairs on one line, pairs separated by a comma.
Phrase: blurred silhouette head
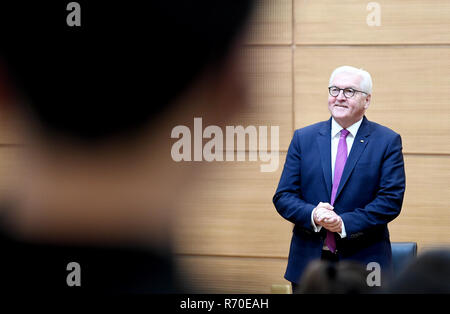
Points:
[[122, 68], [428, 273], [97, 103], [345, 277]]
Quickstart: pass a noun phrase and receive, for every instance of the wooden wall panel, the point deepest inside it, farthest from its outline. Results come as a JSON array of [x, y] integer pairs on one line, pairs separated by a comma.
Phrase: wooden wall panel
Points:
[[345, 22], [229, 236], [269, 73], [425, 217], [230, 212], [411, 90], [271, 23], [215, 274]]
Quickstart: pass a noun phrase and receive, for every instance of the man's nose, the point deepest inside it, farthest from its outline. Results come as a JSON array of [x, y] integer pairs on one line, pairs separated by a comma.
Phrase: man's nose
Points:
[[341, 96]]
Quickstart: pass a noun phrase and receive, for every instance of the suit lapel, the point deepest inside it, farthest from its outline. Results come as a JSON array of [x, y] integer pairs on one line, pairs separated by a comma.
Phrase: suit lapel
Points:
[[359, 144], [324, 142]]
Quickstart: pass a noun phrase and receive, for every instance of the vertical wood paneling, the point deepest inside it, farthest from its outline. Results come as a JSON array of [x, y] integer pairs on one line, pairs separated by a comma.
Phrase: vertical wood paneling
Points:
[[345, 22]]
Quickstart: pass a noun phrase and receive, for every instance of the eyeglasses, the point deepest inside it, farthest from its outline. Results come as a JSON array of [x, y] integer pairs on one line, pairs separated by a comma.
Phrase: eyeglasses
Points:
[[348, 92]]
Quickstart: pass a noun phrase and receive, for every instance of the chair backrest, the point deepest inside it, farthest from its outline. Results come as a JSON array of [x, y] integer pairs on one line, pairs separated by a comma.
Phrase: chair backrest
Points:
[[402, 254]]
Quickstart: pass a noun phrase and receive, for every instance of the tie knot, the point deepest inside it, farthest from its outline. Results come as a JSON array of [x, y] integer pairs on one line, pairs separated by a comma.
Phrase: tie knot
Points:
[[344, 133]]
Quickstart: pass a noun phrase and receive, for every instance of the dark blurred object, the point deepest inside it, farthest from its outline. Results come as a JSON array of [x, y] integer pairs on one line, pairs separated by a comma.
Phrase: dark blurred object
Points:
[[97, 184], [428, 273], [37, 268], [345, 277], [403, 253], [126, 64]]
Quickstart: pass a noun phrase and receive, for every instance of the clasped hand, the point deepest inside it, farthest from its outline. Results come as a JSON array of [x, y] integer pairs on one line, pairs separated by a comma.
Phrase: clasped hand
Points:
[[325, 216]]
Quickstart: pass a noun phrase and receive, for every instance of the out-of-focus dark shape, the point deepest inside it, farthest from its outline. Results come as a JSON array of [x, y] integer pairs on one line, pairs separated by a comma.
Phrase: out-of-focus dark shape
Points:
[[125, 65], [345, 277], [96, 183], [428, 273]]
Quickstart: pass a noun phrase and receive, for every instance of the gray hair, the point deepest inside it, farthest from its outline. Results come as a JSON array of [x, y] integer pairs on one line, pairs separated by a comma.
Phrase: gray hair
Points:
[[366, 80]]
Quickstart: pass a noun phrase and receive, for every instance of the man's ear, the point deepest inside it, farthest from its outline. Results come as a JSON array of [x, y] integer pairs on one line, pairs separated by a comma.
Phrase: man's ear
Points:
[[367, 101]]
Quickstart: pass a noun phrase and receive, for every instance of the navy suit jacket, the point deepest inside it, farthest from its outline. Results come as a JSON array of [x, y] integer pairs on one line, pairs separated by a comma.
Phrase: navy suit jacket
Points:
[[370, 194]]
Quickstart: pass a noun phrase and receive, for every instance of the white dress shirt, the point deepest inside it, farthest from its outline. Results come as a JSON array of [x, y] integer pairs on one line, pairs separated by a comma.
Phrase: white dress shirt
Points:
[[335, 135]]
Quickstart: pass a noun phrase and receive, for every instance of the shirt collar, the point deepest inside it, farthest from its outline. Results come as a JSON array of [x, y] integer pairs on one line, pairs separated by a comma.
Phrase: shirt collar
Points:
[[336, 128]]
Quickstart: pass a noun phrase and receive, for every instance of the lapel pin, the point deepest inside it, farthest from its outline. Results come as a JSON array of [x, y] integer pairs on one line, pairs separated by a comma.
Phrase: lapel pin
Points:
[[362, 141]]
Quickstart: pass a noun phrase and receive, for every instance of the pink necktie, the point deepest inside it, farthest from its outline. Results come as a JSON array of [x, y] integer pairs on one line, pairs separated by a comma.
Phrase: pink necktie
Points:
[[341, 158]]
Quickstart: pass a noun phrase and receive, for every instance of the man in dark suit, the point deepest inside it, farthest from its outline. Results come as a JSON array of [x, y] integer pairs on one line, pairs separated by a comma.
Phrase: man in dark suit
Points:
[[343, 181]]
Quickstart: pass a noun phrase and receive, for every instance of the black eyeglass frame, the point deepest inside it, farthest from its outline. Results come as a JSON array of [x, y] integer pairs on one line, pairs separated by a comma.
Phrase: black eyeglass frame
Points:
[[343, 89]]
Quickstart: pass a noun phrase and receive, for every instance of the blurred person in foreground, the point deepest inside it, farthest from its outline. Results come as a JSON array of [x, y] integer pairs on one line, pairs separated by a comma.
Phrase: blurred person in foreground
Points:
[[325, 277], [97, 184], [428, 273], [342, 183]]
